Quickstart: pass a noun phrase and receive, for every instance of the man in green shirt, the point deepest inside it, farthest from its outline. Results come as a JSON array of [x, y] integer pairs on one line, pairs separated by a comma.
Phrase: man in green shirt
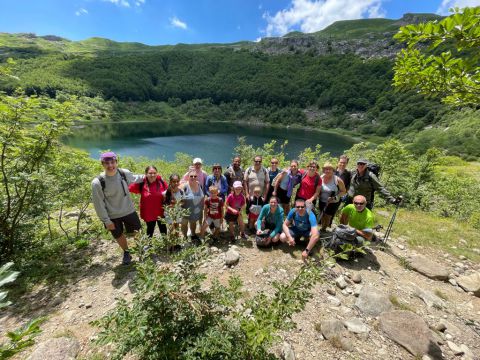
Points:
[[358, 216]]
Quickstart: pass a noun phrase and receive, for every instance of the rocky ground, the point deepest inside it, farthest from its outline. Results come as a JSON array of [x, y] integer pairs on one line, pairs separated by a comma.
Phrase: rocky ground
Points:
[[386, 305]]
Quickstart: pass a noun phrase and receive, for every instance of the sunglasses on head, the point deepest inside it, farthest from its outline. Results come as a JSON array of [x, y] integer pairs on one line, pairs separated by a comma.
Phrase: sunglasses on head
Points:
[[358, 203]]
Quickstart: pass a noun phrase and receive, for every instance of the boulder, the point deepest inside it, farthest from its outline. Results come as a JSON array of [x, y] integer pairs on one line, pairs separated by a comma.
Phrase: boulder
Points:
[[410, 331], [470, 283], [427, 267], [231, 257], [356, 326], [332, 328], [62, 348], [372, 301], [428, 297]]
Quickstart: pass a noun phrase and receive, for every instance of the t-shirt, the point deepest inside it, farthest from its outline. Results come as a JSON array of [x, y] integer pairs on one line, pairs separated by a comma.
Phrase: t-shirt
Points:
[[256, 178], [272, 174], [235, 201], [302, 224], [214, 207], [359, 220], [307, 186]]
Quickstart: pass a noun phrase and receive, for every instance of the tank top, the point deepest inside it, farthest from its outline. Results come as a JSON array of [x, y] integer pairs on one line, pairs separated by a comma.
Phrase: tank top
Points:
[[327, 188]]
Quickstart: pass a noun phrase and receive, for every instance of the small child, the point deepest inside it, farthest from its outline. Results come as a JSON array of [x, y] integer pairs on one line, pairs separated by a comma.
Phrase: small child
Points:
[[213, 212], [234, 204], [255, 204], [171, 196]]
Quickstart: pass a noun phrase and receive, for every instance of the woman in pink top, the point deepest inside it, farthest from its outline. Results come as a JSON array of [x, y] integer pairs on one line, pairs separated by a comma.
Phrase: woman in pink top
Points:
[[234, 205]]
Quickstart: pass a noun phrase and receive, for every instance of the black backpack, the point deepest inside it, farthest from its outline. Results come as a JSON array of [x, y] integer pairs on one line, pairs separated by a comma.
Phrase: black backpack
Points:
[[101, 178], [375, 169]]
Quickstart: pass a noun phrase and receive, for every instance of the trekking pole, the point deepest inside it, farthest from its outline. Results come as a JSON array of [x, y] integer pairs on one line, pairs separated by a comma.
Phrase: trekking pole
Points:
[[392, 220]]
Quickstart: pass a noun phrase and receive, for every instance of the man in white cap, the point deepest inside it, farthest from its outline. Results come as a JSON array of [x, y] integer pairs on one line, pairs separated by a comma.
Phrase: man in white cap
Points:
[[201, 175], [112, 201]]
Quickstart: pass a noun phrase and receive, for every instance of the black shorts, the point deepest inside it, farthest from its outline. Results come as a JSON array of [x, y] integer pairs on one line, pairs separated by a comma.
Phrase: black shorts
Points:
[[282, 196], [331, 208], [231, 217], [131, 222]]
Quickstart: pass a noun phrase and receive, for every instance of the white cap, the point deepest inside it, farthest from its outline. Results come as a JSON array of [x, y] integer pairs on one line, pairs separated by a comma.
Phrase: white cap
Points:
[[197, 161], [237, 184]]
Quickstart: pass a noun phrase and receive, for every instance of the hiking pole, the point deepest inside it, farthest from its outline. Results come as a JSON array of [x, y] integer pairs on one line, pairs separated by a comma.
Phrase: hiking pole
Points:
[[392, 220]]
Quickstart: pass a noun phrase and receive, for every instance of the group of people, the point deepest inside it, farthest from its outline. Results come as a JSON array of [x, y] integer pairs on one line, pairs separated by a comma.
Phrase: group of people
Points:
[[264, 194]]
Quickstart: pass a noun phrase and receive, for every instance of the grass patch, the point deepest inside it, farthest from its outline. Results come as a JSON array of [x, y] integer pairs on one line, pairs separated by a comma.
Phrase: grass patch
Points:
[[404, 263], [425, 229], [400, 305]]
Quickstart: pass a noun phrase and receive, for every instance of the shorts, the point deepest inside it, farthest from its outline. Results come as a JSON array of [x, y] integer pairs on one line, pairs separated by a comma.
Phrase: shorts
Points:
[[282, 196], [252, 216], [131, 222], [215, 222], [331, 208], [231, 217], [297, 235]]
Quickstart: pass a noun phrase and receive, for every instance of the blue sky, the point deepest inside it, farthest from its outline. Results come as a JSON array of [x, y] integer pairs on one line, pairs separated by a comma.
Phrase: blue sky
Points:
[[157, 22]]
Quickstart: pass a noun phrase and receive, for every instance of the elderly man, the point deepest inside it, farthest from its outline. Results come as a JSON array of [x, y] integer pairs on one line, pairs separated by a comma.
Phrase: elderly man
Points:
[[112, 201], [358, 216], [299, 224], [365, 182]]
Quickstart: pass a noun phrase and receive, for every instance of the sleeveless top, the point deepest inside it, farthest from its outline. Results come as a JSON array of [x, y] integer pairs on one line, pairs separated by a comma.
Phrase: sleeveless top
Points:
[[327, 188]]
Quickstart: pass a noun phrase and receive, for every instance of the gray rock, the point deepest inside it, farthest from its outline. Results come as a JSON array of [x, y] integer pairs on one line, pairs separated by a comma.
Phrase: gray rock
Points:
[[332, 328], [452, 329], [287, 352], [429, 298], [231, 257], [334, 301], [356, 326], [470, 283], [357, 289], [440, 327], [331, 291], [340, 282], [372, 302], [455, 348], [410, 331], [427, 267], [467, 353], [357, 278], [453, 282], [62, 348]]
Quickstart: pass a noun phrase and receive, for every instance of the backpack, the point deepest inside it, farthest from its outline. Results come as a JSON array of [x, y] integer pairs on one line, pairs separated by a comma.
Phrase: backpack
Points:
[[343, 234], [375, 169], [101, 178], [249, 170]]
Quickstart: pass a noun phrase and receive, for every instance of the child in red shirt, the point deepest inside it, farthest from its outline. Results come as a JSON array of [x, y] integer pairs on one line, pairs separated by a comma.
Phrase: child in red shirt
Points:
[[213, 212], [234, 204]]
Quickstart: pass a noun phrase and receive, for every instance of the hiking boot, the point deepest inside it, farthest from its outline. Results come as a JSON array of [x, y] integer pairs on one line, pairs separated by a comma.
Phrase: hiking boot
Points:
[[127, 258]]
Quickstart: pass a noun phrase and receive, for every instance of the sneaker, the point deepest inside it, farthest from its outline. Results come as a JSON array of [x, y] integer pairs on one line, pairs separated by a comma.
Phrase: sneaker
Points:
[[243, 236], [127, 258]]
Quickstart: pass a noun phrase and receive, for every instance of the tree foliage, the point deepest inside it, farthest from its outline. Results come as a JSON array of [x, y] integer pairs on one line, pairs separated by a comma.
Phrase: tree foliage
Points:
[[442, 57]]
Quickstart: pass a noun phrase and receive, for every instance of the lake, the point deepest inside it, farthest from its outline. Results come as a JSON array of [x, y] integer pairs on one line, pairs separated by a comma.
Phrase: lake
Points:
[[213, 142]]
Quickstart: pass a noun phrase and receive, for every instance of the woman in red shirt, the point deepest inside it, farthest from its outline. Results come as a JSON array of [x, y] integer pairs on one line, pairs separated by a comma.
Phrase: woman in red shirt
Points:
[[310, 185], [151, 199]]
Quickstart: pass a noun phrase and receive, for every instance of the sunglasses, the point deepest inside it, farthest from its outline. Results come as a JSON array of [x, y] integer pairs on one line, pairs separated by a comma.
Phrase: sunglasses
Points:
[[217, 168], [361, 164], [193, 176], [258, 161], [274, 162], [300, 207], [358, 203]]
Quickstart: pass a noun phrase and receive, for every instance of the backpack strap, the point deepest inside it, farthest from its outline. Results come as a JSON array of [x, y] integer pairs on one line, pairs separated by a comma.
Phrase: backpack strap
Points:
[[101, 179]]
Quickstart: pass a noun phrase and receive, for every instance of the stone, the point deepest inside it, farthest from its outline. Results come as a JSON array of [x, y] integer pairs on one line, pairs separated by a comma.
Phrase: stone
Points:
[[62, 348], [410, 331], [455, 348], [331, 291], [357, 289], [231, 257], [470, 283], [428, 297], [401, 247], [340, 282], [453, 282], [287, 352], [332, 328], [357, 278], [334, 301], [440, 327], [467, 353], [452, 329], [462, 257], [428, 268], [372, 302], [356, 326]]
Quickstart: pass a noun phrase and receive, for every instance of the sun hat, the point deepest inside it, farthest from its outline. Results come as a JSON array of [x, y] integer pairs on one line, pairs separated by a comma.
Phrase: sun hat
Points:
[[108, 155], [362, 161], [328, 165], [197, 161], [237, 184]]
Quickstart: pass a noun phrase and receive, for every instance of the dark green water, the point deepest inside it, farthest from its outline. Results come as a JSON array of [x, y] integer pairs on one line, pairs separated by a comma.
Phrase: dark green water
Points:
[[213, 142]]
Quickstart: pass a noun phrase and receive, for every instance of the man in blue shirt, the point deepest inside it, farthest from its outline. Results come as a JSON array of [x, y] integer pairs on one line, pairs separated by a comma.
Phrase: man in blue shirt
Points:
[[299, 224]]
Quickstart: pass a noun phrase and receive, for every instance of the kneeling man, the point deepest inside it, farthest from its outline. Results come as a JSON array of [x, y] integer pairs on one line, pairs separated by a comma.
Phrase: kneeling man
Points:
[[358, 216], [300, 223]]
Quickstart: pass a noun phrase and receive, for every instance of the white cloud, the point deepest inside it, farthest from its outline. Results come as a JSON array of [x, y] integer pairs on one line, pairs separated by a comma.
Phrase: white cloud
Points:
[[122, 3], [447, 4], [176, 22], [81, 12], [314, 15], [139, 2]]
